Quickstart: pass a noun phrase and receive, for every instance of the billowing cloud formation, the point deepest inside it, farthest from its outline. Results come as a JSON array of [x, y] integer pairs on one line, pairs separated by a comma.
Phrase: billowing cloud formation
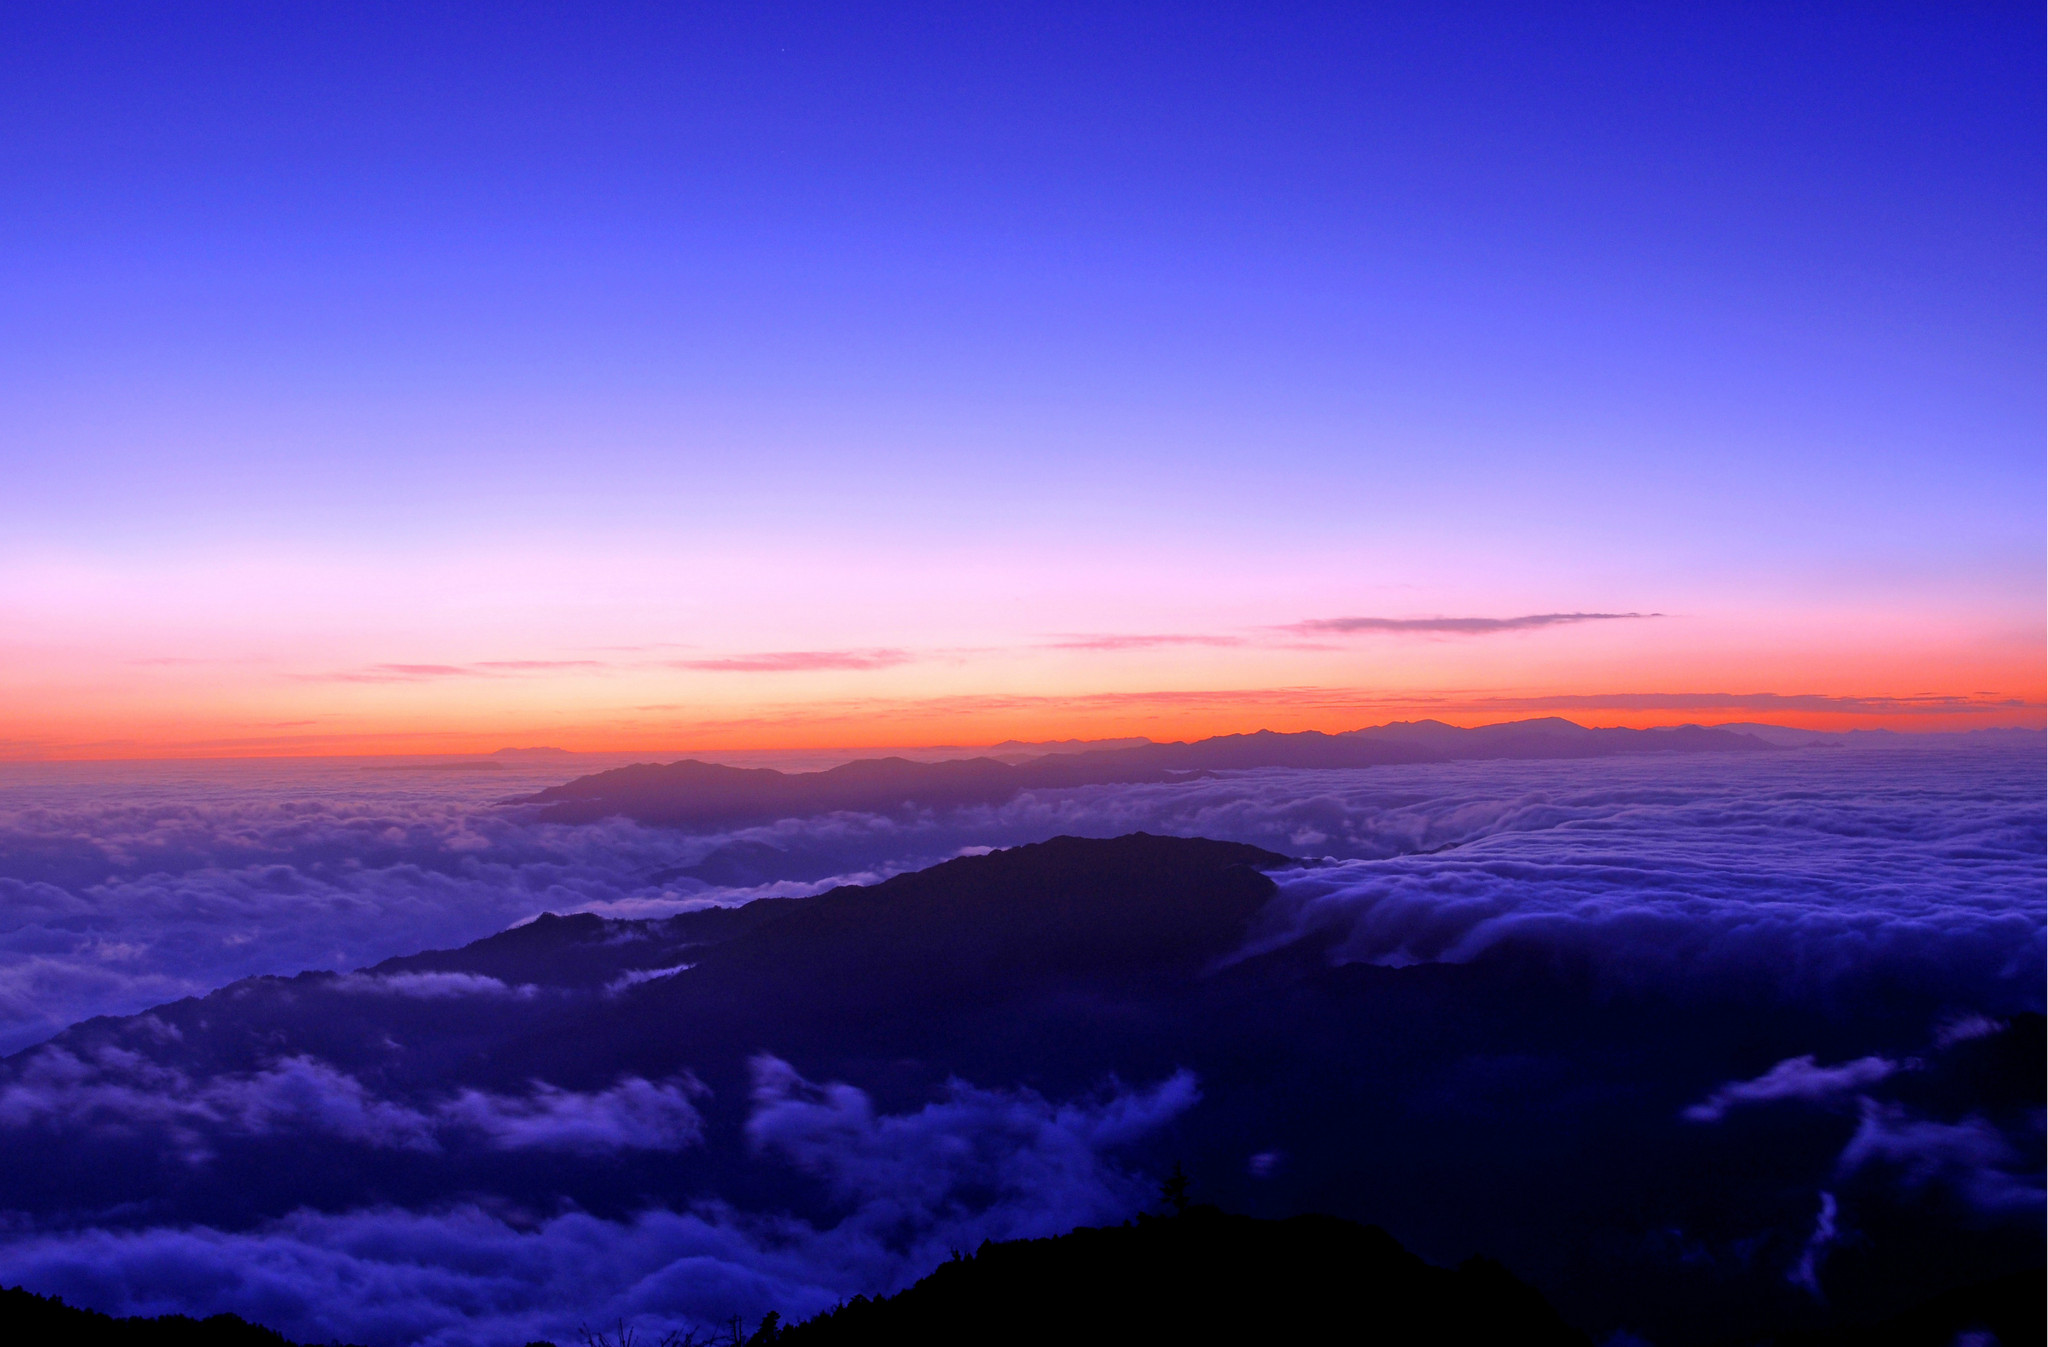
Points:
[[122, 888], [1971, 1157], [1796, 1078], [1791, 870], [125, 888], [1453, 626], [118, 1091], [912, 1162], [980, 1164], [634, 1114]]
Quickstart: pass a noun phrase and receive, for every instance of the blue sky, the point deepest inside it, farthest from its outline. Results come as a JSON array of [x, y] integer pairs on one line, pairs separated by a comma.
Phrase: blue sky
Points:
[[1490, 308]]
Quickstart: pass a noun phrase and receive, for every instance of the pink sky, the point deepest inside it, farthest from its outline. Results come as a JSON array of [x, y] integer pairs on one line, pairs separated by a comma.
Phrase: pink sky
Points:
[[663, 649]]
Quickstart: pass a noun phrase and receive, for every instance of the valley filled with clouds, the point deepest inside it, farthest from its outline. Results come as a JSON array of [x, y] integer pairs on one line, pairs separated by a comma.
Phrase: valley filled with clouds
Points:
[[1813, 968], [124, 888]]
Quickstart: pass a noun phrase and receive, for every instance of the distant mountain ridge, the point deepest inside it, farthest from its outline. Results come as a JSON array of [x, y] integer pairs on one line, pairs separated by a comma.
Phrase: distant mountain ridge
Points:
[[697, 794]]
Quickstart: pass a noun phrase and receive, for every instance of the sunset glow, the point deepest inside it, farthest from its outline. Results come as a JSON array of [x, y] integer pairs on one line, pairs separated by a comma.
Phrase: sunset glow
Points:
[[690, 417]]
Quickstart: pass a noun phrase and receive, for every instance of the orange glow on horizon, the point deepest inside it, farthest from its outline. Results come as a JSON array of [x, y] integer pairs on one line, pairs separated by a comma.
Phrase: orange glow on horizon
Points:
[[969, 722]]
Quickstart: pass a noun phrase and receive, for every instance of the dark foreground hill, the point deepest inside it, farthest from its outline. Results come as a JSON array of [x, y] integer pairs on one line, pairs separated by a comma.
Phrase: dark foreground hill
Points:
[[693, 794], [2003, 1312], [1202, 1277], [33, 1320]]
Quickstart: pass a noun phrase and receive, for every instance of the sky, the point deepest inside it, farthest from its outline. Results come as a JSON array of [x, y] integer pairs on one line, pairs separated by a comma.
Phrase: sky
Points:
[[387, 378]]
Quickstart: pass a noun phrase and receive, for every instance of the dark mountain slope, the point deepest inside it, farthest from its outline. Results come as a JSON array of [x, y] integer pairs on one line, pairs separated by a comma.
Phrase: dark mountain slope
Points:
[[32, 1319], [2007, 1311], [693, 794], [1201, 1277]]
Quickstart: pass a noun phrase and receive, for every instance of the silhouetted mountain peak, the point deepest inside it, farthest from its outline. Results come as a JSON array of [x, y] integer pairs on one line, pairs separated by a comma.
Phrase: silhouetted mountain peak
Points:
[[1205, 1276]]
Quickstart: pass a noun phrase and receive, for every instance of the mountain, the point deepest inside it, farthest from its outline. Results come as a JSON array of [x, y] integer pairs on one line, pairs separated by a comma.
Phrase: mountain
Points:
[[1020, 750], [1070, 998], [2004, 1310], [29, 1318], [1203, 1276], [1199, 1276], [1786, 737], [694, 794]]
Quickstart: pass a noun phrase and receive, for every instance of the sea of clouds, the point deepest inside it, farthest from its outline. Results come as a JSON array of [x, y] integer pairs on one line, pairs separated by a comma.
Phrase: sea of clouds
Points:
[[126, 886], [915, 1189]]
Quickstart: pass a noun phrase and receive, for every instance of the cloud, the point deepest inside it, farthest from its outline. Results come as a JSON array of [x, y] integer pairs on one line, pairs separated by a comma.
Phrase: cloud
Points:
[[1453, 626], [119, 1092], [1752, 701], [1792, 874], [797, 661], [979, 1164], [1970, 1157], [1796, 1078], [1963, 1028], [422, 673], [1021, 1146], [393, 673], [634, 977], [635, 1114], [428, 986], [121, 891], [1136, 642], [1806, 1272]]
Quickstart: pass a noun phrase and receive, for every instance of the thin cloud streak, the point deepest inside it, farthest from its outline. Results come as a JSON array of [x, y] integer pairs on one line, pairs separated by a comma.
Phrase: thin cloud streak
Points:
[[1765, 701], [421, 673], [798, 661], [1457, 626], [1136, 642]]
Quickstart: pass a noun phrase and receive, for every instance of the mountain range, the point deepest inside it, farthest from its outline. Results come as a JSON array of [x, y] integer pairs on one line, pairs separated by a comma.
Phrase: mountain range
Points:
[[697, 794]]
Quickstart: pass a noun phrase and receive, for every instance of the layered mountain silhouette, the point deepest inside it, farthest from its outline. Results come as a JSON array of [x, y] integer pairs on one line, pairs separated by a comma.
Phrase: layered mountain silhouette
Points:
[[1521, 1105], [694, 794], [1203, 1276], [1200, 1276], [29, 1318]]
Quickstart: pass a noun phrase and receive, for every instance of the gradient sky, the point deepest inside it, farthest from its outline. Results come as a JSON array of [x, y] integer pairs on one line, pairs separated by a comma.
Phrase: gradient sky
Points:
[[410, 377]]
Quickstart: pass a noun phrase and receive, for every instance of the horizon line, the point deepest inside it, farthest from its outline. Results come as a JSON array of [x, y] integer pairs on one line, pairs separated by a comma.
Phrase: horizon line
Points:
[[1050, 745]]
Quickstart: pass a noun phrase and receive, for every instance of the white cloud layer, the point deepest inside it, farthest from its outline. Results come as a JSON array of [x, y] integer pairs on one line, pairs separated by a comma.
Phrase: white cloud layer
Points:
[[1970, 1157], [118, 1091], [1796, 1078], [120, 889], [979, 1164]]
